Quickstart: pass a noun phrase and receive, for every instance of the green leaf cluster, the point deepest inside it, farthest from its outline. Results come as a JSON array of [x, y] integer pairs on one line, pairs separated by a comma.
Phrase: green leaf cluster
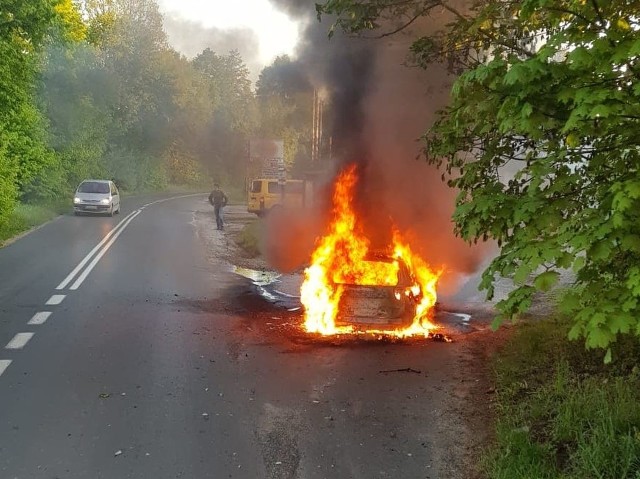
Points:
[[551, 171], [23, 154]]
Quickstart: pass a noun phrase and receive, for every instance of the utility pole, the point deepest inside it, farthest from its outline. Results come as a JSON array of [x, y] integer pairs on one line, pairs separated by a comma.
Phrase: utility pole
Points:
[[316, 133]]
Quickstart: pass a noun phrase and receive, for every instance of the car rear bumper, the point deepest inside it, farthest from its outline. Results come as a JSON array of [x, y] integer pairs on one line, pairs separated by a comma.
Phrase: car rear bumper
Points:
[[380, 322], [374, 307]]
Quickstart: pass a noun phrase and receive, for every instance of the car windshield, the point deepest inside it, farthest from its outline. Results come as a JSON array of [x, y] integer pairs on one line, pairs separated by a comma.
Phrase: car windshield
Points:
[[93, 187]]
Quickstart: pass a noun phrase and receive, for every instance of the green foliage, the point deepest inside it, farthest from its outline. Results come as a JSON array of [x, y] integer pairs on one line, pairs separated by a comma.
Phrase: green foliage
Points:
[[561, 412], [183, 170], [102, 94], [285, 109], [8, 176], [356, 16], [249, 239], [24, 217], [23, 153], [124, 105], [566, 117], [228, 80], [540, 139], [284, 79], [48, 187], [71, 23], [26, 23]]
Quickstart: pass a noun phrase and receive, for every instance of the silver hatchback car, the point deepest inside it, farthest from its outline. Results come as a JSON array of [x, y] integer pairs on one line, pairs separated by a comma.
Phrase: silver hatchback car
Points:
[[97, 197]]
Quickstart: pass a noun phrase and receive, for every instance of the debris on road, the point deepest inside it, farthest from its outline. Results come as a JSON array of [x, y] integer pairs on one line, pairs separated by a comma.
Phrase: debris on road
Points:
[[402, 370], [442, 338]]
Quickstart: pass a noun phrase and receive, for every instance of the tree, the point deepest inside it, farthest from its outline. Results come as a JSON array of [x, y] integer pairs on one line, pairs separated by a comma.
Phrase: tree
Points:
[[285, 103], [70, 19], [24, 27], [189, 127], [136, 85], [232, 119], [282, 78], [75, 97], [555, 83], [230, 86]]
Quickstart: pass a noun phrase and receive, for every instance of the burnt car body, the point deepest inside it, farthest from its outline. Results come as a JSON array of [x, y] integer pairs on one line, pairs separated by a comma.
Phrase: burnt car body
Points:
[[379, 306]]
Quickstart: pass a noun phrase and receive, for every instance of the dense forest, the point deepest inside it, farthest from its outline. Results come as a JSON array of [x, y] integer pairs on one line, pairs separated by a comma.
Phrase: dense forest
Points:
[[93, 89]]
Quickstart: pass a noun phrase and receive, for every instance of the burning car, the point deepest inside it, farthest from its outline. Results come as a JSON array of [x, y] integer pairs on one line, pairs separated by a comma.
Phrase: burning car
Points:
[[348, 288], [376, 306]]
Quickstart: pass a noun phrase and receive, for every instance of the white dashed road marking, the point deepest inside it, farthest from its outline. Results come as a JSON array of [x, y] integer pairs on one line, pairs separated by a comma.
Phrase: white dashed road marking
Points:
[[55, 299], [4, 364], [40, 318], [19, 341]]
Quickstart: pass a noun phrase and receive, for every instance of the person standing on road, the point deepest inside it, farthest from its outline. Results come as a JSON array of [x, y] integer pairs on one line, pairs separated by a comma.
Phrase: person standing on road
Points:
[[219, 200]]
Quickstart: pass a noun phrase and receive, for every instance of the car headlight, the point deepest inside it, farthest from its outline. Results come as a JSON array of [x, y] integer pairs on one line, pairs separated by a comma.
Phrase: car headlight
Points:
[[76, 200], [105, 201]]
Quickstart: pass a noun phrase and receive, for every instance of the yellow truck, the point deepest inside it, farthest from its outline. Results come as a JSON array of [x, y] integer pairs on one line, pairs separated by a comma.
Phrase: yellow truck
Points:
[[269, 194]]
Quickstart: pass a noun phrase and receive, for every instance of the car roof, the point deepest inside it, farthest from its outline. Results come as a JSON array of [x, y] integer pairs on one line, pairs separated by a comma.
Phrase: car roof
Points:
[[96, 181]]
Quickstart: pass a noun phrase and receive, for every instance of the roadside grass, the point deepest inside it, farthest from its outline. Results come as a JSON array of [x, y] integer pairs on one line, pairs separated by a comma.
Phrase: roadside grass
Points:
[[561, 412], [27, 216], [248, 238]]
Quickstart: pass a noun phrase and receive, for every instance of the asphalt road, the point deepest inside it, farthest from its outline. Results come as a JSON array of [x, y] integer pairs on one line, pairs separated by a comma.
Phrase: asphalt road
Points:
[[152, 359]]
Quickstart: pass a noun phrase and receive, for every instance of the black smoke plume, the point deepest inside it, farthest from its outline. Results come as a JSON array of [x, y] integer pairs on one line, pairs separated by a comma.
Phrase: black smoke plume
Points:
[[379, 107]]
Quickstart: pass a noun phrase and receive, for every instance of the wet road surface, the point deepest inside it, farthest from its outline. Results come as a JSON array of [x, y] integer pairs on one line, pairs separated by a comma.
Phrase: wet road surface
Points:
[[151, 358]]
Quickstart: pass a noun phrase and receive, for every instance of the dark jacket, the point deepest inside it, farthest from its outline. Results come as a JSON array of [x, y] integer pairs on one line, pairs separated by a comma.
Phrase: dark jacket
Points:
[[218, 199]]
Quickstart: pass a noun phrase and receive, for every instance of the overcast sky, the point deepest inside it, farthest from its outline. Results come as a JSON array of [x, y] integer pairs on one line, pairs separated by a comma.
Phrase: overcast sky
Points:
[[254, 27]]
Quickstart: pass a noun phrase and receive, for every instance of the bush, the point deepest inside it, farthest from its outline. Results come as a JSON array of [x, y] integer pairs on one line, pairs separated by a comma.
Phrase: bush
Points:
[[50, 185], [8, 189], [135, 171], [24, 217], [249, 238], [563, 413]]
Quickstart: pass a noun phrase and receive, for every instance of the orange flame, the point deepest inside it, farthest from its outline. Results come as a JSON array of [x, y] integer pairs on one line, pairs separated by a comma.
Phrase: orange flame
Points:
[[340, 258]]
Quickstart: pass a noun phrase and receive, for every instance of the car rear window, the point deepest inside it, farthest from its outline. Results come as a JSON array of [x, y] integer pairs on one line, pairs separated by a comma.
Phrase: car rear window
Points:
[[93, 187]]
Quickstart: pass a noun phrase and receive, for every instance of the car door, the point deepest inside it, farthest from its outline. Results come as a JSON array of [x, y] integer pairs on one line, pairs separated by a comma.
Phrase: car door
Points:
[[116, 197]]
